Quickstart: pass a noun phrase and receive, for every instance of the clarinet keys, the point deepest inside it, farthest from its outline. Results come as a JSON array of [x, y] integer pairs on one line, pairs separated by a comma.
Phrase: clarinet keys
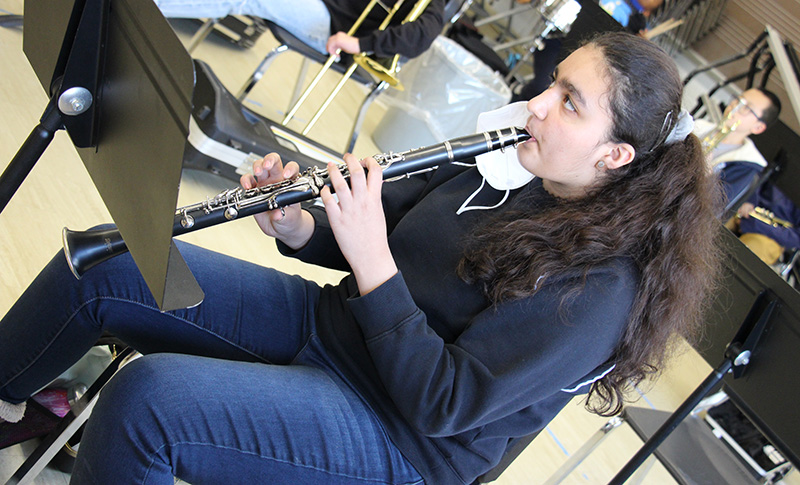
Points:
[[187, 221], [231, 213]]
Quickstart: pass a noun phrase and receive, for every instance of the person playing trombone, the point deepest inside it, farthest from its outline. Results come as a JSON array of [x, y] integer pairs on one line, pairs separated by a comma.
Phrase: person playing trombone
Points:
[[324, 24]]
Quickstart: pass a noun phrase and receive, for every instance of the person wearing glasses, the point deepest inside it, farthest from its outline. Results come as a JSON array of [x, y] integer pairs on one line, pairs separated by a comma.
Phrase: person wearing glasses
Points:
[[736, 159]]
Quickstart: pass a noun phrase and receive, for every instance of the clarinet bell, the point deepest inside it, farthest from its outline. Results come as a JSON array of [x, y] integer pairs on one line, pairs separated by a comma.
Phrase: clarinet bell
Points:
[[86, 249]]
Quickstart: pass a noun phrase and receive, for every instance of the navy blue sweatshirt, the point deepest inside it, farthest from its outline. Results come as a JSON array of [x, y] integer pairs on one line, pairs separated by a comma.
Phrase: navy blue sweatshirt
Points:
[[454, 378]]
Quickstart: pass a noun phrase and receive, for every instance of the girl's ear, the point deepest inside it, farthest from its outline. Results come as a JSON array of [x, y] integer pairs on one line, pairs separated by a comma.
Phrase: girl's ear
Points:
[[620, 154]]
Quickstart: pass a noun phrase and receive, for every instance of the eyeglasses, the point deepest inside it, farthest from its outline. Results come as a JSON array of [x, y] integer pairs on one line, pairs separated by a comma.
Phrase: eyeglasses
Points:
[[740, 103]]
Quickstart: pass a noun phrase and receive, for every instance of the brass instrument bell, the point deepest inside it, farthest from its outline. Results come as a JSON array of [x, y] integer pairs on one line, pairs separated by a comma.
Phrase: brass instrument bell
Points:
[[386, 69]]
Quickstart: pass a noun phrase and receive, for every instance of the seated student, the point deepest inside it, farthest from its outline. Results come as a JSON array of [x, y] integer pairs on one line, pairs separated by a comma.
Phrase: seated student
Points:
[[634, 19], [475, 308], [776, 230], [736, 159], [634, 15], [323, 24]]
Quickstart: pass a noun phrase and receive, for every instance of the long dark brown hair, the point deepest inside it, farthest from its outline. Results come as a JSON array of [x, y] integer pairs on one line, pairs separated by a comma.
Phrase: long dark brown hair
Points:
[[659, 211]]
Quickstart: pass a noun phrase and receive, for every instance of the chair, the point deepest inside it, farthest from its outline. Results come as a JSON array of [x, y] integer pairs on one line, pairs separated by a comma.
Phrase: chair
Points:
[[241, 30], [287, 41], [788, 268], [71, 424]]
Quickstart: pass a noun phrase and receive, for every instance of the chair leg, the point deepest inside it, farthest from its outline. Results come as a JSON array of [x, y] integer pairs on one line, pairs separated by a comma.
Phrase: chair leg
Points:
[[299, 84], [201, 34], [641, 473], [259, 72], [68, 426], [362, 113], [11, 21], [584, 451], [787, 267]]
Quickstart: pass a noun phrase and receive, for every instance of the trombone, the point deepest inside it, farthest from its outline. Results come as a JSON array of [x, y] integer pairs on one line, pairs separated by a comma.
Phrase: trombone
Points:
[[383, 73], [386, 69]]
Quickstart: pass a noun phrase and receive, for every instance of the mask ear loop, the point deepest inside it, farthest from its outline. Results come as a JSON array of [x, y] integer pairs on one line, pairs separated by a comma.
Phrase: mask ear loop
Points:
[[464, 207]]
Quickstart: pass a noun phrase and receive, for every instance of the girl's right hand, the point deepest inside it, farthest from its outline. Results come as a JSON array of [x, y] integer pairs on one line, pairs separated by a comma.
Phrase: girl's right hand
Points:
[[292, 225]]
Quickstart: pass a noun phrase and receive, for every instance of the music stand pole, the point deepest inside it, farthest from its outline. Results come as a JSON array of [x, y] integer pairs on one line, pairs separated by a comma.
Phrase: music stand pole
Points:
[[672, 422], [736, 358], [29, 153]]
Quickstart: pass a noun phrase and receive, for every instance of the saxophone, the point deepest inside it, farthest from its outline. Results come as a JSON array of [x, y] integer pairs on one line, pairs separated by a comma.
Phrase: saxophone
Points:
[[723, 128], [769, 217], [719, 133]]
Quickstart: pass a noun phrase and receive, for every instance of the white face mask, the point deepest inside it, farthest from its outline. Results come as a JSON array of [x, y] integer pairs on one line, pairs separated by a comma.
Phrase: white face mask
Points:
[[502, 169]]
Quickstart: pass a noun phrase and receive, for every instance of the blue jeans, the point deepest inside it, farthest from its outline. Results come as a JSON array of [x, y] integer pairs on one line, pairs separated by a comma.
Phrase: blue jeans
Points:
[[238, 388], [308, 20]]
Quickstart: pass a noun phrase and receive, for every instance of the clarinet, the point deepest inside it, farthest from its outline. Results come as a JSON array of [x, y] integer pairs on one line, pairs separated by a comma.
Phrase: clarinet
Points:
[[85, 249]]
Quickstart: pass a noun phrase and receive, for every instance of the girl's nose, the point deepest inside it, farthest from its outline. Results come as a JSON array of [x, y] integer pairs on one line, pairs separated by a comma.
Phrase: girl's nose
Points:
[[539, 105]]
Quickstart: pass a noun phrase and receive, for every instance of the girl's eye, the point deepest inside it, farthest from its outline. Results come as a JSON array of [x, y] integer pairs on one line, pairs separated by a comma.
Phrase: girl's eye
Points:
[[568, 103]]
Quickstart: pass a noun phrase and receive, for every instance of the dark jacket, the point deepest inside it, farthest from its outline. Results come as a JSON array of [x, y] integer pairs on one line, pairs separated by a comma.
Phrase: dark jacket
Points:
[[452, 377], [410, 39], [737, 177]]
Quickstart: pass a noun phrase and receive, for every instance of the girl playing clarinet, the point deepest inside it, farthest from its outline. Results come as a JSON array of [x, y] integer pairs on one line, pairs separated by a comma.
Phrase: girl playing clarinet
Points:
[[479, 301]]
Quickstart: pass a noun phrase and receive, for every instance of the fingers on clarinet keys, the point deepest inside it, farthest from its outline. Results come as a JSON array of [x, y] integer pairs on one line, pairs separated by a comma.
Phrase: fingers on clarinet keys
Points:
[[265, 170]]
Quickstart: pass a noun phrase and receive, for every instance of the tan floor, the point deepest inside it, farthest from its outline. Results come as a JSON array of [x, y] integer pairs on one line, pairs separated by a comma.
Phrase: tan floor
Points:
[[59, 193]]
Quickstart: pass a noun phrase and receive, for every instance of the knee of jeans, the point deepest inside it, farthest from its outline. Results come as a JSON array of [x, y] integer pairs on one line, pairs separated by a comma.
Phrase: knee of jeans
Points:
[[146, 383]]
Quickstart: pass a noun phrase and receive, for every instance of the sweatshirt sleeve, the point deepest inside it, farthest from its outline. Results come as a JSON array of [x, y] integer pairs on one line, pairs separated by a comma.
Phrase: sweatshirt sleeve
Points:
[[507, 358], [409, 39], [322, 250]]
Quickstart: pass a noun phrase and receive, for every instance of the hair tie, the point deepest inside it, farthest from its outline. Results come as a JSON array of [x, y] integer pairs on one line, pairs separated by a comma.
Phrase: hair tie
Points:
[[672, 132], [682, 128]]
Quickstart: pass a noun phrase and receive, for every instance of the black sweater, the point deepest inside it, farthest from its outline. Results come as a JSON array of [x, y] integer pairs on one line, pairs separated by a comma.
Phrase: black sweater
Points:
[[453, 378], [410, 39]]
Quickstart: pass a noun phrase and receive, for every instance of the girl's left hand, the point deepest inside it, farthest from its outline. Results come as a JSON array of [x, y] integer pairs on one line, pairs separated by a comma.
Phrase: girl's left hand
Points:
[[358, 222]]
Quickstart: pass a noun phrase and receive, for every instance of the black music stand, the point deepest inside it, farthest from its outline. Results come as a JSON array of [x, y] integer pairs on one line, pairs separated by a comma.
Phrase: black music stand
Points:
[[121, 85], [758, 365]]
